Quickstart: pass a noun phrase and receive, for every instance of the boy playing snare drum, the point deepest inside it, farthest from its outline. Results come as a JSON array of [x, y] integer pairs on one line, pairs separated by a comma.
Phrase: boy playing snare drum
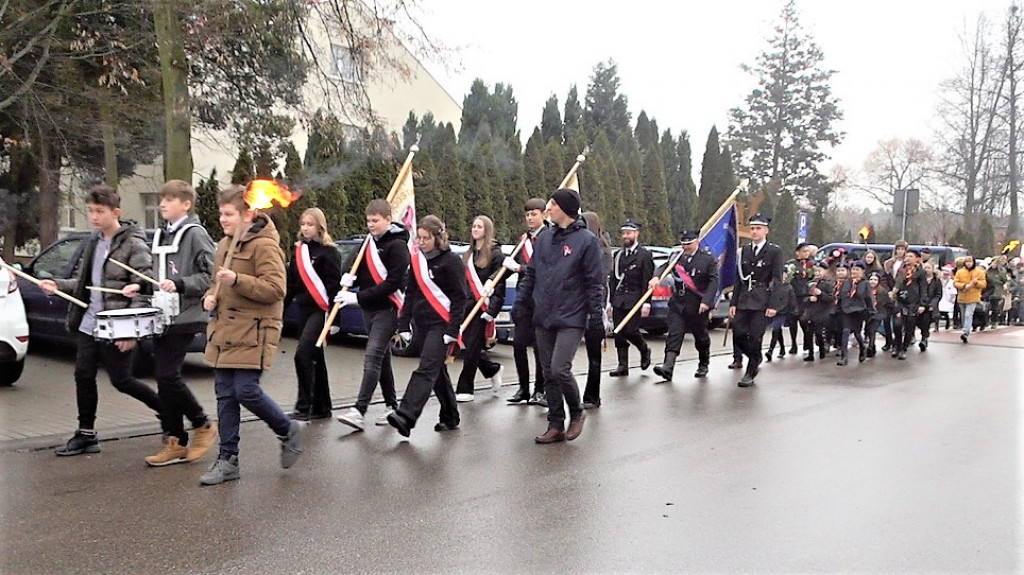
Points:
[[125, 243], [183, 260]]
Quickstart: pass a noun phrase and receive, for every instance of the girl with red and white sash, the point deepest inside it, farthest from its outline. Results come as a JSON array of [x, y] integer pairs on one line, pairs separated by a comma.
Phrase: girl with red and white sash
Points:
[[436, 300], [482, 261], [313, 279]]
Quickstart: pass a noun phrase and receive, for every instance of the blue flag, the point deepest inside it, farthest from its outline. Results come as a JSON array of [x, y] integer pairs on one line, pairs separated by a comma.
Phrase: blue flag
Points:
[[721, 241]]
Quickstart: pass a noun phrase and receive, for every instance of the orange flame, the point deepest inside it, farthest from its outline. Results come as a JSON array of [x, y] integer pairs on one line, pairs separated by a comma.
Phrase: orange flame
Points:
[[864, 232], [262, 194], [1012, 245]]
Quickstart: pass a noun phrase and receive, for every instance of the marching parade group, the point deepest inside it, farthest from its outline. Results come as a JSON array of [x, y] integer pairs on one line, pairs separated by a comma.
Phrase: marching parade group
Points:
[[571, 287]]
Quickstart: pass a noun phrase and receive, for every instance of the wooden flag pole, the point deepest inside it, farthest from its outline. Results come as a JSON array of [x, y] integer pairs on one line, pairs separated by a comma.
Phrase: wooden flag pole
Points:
[[498, 275], [58, 293], [402, 174], [671, 264]]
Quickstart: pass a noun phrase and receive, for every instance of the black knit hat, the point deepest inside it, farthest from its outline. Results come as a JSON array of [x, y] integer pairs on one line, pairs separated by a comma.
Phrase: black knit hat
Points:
[[568, 200]]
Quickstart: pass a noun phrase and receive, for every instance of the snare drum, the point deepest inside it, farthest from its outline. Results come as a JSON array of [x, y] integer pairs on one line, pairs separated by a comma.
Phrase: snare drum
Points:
[[130, 323]]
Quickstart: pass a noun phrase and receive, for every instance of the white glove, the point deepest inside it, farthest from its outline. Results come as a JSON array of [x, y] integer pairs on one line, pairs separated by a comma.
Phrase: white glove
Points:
[[448, 340], [346, 298], [405, 336], [645, 310], [487, 317], [348, 280], [511, 264], [488, 290]]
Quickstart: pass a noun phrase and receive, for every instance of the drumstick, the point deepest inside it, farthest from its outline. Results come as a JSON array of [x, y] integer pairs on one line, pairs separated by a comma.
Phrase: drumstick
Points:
[[59, 293], [134, 271], [103, 289]]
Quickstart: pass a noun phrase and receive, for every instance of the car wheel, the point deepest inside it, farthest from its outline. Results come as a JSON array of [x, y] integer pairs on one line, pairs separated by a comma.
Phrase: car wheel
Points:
[[10, 372], [412, 348]]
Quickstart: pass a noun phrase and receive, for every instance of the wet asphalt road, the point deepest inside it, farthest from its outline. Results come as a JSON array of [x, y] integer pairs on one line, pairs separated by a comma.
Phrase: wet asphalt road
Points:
[[894, 467]]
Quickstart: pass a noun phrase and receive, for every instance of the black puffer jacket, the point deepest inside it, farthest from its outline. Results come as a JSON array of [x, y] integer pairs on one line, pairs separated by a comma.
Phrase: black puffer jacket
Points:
[[393, 248]]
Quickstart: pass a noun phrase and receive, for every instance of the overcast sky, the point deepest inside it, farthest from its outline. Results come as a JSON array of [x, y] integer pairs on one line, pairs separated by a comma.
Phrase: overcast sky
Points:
[[680, 61]]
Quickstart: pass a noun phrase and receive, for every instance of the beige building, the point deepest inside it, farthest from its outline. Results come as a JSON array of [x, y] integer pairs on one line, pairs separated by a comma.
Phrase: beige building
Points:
[[360, 91]]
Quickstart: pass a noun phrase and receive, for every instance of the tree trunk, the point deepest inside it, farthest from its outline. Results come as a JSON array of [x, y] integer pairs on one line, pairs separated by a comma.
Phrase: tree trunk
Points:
[[109, 146], [49, 190], [174, 74]]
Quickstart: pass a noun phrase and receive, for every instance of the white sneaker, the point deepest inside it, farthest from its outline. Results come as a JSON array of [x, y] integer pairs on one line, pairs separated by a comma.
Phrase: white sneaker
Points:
[[382, 419], [463, 397], [352, 418], [496, 380]]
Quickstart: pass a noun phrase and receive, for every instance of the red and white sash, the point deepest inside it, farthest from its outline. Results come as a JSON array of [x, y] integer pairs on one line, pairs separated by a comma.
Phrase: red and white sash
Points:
[[477, 287], [314, 285], [527, 248], [431, 291], [379, 272]]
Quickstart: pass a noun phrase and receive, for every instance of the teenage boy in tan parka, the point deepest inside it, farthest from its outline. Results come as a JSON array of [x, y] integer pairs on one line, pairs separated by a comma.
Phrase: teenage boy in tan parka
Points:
[[244, 330]]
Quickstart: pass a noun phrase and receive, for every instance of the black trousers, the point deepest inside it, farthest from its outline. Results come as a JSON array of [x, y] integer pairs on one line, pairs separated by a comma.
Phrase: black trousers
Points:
[[557, 347], [630, 333], [430, 375], [474, 356], [903, 326], [593, 339], [852, 323], [524, 338], [314, 394], [924, 323], [177, 402], [870, 330], [748, 329], [807, 327], [679, 324], [380, 326], [90, 356]]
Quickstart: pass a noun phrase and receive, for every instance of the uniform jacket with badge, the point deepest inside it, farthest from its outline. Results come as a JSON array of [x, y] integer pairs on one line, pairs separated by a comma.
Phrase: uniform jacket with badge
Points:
[[246, 325], [755, 287], [801, 272], [190, 268], [932, 293], [884, 306], [627, 280], [128, 246], [702, 268], [393, 248], [564, 283]]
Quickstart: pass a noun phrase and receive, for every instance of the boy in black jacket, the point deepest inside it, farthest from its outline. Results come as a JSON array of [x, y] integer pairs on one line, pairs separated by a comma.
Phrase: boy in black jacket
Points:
[[381, 277], [854, 306]]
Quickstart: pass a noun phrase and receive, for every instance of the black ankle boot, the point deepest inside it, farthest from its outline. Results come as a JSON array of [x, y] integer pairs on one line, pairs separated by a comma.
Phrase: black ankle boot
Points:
[[623, 368]]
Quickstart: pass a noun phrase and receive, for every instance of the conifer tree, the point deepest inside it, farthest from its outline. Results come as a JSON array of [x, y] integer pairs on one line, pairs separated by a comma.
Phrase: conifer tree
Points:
[[783, 228], [244, 169], [646, 132], [630, 169], [572, 118], [551, 122], [607, 189], [206, 208], [535, 179], [450, 182], [716, 178], [656, 229], [606, 109]]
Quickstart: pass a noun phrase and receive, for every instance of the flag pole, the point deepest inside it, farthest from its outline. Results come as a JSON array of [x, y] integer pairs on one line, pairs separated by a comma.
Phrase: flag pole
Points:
[[728, 203], [402, 174], [494, 279]]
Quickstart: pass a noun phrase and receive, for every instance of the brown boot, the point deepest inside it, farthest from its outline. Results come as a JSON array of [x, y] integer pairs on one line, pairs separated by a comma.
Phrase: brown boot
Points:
[[575, 427], [552, 435], [170, 454], [203, 439]]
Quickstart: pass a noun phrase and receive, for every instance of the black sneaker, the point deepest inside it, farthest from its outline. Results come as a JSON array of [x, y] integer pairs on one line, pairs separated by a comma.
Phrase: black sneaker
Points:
[[78, 444]]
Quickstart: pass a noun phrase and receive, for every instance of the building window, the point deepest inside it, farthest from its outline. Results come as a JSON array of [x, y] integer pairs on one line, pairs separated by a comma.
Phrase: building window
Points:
[[345, 64], [151, 208]]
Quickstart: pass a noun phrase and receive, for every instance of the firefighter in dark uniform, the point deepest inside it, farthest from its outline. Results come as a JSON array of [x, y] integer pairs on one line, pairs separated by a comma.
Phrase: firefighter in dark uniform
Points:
[[755, 294], [694, 282], [632, 269]]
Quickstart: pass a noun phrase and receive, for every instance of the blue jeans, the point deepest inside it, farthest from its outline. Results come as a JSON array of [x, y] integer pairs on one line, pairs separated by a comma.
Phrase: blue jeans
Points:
[[967, 315], [241, 387]]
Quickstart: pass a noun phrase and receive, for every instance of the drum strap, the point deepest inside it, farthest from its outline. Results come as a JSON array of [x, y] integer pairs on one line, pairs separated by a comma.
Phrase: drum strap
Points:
[[161, 251]]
